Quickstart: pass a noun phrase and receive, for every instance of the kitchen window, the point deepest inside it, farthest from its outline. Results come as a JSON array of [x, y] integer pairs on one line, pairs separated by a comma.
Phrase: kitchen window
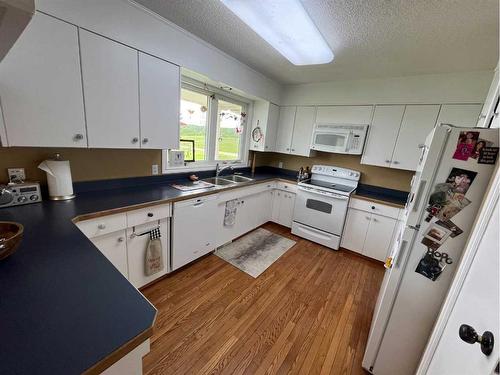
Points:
[[212, 129]]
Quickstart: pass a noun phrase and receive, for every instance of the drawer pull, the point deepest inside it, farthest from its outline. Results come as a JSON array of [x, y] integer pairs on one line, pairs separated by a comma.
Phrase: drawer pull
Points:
[[121, 239], [101, 226], [373, 207], [150, 214]]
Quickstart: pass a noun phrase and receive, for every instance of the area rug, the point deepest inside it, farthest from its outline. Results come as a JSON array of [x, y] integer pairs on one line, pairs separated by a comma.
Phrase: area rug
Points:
[[256, 251]]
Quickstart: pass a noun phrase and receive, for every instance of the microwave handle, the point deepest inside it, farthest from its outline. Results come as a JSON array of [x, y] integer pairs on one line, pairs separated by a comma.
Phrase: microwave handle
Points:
[[348, 143]]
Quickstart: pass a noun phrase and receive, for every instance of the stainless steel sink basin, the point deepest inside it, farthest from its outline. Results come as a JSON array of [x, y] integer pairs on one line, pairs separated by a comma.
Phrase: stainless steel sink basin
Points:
[[218, 181], [237, 178]]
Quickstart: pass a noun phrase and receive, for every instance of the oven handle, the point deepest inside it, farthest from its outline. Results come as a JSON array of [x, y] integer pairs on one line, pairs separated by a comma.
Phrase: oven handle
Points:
[[324, 194]]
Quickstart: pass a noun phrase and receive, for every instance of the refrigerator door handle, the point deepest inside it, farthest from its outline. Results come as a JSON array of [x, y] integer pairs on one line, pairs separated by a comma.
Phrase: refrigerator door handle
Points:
[[418, 194], [401, 252]]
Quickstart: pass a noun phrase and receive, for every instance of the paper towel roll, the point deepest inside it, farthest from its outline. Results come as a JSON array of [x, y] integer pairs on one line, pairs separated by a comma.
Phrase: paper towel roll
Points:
[[58, 178]]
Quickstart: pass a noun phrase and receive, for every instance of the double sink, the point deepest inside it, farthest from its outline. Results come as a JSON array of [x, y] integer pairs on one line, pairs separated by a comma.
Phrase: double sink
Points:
[[227, 180]]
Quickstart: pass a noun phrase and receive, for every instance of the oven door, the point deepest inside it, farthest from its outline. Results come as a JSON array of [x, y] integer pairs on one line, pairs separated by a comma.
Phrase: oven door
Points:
[[320, 209], [331, 140]]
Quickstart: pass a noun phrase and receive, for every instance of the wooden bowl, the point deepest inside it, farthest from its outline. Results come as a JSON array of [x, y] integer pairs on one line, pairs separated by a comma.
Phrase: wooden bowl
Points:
[[11, 235]]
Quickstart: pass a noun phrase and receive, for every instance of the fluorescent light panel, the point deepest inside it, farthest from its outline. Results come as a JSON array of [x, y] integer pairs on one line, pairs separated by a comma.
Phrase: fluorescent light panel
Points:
[[286, 26]]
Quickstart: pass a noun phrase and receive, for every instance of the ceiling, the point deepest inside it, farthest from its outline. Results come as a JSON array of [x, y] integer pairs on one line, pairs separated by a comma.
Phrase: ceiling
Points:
[[370, 38]]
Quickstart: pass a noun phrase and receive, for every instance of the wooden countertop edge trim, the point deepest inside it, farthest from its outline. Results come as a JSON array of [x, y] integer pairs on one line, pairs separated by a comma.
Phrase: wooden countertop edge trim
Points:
[[121, 352], [381, 201], [119, 210]]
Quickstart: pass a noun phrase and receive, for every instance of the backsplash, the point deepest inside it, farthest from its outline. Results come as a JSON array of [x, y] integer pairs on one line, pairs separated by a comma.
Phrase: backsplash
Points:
[[86, 164], [385, 177]]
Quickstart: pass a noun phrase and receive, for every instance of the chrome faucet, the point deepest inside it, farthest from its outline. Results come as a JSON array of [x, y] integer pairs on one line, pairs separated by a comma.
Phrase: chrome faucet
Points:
[[219, 169]]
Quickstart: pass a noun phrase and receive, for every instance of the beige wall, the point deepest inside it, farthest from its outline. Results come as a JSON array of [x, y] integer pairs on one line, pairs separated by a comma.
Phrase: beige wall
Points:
[[86, 164], [378, 176]]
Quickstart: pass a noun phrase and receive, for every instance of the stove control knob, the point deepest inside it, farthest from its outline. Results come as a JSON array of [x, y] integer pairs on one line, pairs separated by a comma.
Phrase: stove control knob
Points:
[[34, 197], [22, 199]]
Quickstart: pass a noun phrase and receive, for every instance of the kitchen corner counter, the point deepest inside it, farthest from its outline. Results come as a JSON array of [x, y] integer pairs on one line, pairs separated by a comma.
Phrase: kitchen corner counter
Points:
[[64, 307], [390, 197]]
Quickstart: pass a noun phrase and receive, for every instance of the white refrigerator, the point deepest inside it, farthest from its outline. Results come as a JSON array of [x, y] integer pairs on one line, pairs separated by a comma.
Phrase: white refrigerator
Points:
[[454, 170]]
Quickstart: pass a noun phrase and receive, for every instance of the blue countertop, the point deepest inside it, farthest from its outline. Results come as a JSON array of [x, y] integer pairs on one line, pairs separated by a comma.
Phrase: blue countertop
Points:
[[63, 306]]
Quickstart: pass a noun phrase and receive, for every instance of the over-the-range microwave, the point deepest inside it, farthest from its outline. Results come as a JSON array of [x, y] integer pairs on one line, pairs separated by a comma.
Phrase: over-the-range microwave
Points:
[[339, 138]]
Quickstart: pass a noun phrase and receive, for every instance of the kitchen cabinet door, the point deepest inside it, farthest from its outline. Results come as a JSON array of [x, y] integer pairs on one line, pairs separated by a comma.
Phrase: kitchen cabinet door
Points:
[[3, 133], [302, 130], [271, 128], [111, 91], [355, 230], [382, 135], [418, 121], [379, 237], [265, 117], [463, 115], [114, 247], [194, 230], [159, 90], [136, 251], [287, 203], [41, 86], [344, 114], [285, 129]]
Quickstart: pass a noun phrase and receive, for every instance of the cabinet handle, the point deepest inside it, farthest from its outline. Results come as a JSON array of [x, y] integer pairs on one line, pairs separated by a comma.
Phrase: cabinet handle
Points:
[[78, 137], [145, 140], [367, 217], [207, 244], [387, 161], [101, 226], [287, 149], [121, 239], [375, 220], [150, 214], [293, 149], [396, 162], [373, 207], [135, 140]]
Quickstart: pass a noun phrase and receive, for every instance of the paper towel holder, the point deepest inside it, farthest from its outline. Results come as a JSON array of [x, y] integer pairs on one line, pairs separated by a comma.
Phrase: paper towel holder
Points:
[[59, 180]]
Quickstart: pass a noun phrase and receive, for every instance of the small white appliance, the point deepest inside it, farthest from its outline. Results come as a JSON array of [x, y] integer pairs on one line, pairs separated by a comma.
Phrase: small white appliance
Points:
[[15, 194], [339, 138], [447, 190], [321, 204]]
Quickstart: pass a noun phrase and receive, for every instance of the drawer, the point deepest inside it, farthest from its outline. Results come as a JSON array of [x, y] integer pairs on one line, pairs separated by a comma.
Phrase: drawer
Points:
[[287, 186], [102, 225], [146, 215], [376, 208]]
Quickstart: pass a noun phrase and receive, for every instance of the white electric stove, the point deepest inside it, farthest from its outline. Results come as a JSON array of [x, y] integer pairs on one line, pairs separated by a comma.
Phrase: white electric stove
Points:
[[321, 204]]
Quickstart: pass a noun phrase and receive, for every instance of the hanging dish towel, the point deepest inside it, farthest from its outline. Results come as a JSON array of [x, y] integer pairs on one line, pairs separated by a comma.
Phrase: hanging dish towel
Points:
[[154, 254], [230, 213]]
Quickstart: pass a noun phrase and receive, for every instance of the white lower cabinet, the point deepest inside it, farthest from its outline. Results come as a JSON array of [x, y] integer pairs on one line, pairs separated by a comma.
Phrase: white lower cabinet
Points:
[[283, 203], [114, 247], [368, 230], [137, 244], [194, 229]]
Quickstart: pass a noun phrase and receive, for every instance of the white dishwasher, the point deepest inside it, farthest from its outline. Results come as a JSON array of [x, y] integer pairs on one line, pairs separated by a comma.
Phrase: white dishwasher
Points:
[[194, 229]]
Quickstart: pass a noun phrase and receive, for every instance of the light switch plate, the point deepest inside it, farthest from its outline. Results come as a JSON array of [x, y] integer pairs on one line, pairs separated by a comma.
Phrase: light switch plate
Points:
[[155, 170], [280, 164], [16, 174]]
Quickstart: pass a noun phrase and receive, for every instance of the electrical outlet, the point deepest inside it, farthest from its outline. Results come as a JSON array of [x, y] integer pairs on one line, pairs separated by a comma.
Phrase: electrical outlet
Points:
[[155, 169], [16, 174], [280, 164]]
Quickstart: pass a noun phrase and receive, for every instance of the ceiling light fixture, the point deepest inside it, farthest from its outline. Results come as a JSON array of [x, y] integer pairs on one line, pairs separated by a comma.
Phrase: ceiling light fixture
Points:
[[286, 26]]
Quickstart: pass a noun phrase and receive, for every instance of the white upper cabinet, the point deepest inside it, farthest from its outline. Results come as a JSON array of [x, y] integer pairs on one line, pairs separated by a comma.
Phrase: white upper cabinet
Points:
[[265, 118], [3, 133], [464, 115], [111, 90], [302, 130], [159, 90], [418, 121], [41, 88], [285, 129], [382, 135], [344, 114]]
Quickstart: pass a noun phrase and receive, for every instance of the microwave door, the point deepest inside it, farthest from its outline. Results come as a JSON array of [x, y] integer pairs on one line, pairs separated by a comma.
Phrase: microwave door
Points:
[[333, 141]]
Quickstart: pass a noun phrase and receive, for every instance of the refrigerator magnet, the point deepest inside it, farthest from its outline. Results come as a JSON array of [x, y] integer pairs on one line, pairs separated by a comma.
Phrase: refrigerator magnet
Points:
[[488, 155], [451, 226], [465, 145], [433, 264]]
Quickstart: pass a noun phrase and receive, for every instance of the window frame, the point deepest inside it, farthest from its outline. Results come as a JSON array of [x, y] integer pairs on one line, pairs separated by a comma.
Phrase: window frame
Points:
[[214, 96]]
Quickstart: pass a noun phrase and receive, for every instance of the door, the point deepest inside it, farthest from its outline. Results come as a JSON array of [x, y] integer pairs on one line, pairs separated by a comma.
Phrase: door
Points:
[[137, 247], [41, 86], [379, 237], [463, 115], [194, 229], [477, 305], [286, 209], [302, 130], [285, 129], [271, 127], [344, 114], [259, 123], [321, 210], [159, 85], [114, 247], [111, 90], [382, 135], [418, 121], [355, 229]]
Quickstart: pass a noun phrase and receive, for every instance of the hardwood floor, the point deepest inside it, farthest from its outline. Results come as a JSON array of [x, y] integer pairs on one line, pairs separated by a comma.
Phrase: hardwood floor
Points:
[[309, 313]]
